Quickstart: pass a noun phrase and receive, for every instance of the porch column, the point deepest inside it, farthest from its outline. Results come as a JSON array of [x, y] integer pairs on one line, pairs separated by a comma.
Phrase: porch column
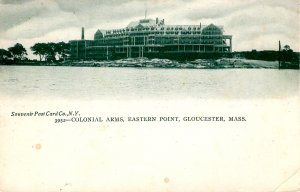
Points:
[[230, 39]]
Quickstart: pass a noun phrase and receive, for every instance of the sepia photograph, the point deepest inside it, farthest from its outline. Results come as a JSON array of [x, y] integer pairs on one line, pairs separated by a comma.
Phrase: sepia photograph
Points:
[[149, 95]]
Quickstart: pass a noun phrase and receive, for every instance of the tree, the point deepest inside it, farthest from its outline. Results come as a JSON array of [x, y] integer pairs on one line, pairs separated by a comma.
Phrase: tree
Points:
[[18, 51], [51, 52], [4, 55], [289, 55], [286, 48], [40, 49], [63, 50]]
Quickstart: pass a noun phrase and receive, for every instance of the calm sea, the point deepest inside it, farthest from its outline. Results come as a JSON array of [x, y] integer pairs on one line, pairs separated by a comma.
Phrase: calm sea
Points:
[[136, 83]]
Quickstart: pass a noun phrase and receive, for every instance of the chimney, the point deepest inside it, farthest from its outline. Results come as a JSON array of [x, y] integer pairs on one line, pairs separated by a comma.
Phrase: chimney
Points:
[[82, 33], [156, 20], [279, 46]]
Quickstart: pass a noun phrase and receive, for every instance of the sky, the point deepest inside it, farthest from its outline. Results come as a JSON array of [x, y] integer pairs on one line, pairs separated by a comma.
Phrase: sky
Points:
[[254, 24]]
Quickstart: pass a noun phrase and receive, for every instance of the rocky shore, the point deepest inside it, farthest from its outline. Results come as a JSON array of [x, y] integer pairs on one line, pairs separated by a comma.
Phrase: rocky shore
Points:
[[164, 63]]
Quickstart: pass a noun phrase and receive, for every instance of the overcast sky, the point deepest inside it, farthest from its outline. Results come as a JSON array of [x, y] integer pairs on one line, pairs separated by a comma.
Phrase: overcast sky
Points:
[[254, 24]]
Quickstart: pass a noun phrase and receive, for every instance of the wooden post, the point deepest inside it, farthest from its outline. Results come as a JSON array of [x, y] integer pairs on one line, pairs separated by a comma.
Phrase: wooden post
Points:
[[106, 52]]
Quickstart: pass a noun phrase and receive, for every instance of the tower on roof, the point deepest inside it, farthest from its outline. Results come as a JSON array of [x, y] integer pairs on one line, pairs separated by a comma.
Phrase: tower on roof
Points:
[[98, 35]]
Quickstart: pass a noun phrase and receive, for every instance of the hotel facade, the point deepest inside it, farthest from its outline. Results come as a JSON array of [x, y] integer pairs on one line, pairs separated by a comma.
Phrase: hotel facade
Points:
[[152, 38]]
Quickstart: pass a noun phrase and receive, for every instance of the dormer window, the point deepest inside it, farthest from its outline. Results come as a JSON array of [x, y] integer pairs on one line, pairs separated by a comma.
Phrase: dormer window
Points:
[[145, 21]]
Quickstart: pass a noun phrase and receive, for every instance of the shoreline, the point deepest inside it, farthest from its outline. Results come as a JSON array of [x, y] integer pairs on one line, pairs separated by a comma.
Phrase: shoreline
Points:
[[225, 63]]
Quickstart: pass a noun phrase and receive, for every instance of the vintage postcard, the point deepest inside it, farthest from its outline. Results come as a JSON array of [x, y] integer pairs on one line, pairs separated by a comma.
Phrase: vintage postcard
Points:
[[149, 95]]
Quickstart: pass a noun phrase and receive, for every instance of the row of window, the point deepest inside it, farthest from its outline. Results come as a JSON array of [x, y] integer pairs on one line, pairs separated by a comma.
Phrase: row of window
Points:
[[152, 29], [165, 33], [156, 40]]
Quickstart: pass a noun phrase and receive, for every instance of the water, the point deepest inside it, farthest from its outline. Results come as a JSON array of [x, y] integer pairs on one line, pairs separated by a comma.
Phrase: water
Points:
[[138, 83]]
